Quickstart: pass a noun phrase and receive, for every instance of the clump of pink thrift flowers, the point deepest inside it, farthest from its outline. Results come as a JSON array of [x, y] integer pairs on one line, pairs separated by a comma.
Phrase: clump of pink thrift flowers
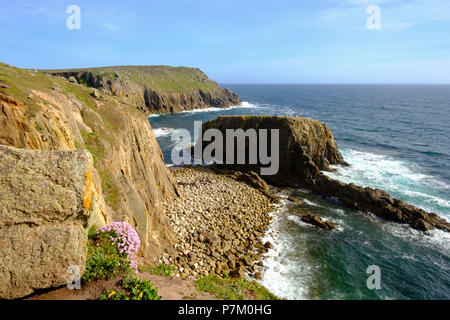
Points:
[[125, 238]]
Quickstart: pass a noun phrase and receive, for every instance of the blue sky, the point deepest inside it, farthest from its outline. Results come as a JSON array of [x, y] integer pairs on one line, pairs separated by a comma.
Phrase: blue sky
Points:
[[238, 41]]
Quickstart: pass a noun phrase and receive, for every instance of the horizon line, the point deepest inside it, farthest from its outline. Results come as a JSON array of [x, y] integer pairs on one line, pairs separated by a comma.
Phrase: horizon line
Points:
[[336, 83]]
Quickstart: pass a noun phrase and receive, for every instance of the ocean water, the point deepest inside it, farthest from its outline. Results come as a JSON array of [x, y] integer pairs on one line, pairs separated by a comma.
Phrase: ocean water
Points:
[[396, 138]]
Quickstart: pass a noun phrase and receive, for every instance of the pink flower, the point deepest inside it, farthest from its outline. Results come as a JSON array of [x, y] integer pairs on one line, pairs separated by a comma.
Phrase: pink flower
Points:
[[126, 239]]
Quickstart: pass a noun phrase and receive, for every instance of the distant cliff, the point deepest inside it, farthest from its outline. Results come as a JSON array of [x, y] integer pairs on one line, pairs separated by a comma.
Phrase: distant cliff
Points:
[[155, 89]]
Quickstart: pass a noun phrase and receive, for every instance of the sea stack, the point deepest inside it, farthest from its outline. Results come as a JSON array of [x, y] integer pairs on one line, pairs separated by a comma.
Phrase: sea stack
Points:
[[306, 148]]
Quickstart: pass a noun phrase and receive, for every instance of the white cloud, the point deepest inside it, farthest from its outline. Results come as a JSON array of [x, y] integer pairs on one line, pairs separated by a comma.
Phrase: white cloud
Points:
[[396, 14]]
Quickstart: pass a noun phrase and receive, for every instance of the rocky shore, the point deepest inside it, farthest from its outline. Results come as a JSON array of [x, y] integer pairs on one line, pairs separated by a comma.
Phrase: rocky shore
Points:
[[307, 148], [218, 221]]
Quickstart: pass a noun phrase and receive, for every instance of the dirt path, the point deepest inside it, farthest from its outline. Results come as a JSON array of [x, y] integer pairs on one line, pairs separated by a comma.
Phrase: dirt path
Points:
[[169, 288]]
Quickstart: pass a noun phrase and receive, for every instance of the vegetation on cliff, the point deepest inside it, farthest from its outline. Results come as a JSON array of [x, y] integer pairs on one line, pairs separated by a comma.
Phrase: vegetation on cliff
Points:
[[164, 78], [154, 89], [132, 289], [228, 288]]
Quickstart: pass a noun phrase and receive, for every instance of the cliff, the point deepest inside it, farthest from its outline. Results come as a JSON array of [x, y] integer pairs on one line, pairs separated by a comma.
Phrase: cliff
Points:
[[42, 112], [306, 148], [154, 89]]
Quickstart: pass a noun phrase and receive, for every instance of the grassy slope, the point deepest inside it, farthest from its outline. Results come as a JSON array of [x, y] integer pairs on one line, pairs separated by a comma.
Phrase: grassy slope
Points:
[[164, 78]]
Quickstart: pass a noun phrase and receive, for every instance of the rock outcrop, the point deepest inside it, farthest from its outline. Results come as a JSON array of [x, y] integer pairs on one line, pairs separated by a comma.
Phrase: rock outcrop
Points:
[[307, 147], [48, 201], [155, 89], [378, 202], [318, 222], [43, 112]]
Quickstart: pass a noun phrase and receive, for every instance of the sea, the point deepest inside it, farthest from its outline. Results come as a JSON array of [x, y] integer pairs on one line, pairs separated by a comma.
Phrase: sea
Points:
[[396, 138]]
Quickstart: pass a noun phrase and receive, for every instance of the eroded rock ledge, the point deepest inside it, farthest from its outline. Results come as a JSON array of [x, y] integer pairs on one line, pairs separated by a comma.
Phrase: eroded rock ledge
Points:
[[306, 148], [378, 202]]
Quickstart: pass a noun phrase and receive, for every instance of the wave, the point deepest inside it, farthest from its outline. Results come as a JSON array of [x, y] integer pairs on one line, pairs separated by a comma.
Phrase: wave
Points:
[[279, 268], [400, 179], [310, 203], [431, 239], [242, 105], [161, 132]]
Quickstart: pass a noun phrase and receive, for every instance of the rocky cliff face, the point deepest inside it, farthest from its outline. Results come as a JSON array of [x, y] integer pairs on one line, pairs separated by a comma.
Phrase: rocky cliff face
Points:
[[306, 148], [306, 145], [155, 89], [48, 201], [40, 111]]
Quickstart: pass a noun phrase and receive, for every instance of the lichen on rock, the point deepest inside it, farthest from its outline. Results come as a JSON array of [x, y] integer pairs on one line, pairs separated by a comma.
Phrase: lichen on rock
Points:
[[43, 219]]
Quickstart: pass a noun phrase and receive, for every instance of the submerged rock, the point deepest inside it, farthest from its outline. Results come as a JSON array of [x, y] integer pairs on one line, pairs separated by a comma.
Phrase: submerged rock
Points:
[[295, 200], [318, 222]]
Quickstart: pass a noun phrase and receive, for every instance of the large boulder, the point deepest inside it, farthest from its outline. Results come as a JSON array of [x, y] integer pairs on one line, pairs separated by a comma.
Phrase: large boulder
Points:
[[48, 201]]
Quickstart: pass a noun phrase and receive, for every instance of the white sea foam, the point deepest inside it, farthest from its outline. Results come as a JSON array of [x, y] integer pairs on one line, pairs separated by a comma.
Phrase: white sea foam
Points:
[[163, 132], [243, 105], [160, 132], [428, 198], [432, 239], [399, 178], [340, 212], [310, 203], [278, 268]]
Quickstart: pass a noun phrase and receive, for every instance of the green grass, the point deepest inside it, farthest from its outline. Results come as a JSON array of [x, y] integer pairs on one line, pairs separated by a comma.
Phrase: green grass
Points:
[[104, 260], [93, 145], [161, 270], [164, 78], [233, 289], [134, 289], [82, 95], [38, 126], [110, 189]]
